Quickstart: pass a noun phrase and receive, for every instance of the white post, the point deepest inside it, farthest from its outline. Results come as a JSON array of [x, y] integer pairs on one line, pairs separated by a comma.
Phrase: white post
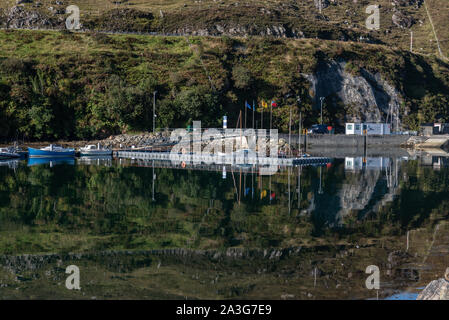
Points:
[[408, 232], [154, 111]]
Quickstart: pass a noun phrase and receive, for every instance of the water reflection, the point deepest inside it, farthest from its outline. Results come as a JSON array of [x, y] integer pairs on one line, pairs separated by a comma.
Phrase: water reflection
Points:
[[50, 161], [223, 232]]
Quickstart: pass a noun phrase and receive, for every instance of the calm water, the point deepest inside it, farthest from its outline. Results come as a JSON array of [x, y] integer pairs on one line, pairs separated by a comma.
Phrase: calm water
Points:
[[141, 230]]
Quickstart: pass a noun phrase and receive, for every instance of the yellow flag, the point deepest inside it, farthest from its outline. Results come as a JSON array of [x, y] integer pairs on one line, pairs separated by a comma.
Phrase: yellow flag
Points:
[[264, 104]]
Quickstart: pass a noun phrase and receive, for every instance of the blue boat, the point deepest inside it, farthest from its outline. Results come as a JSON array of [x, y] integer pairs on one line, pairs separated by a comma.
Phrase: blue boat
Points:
[[51, 151]]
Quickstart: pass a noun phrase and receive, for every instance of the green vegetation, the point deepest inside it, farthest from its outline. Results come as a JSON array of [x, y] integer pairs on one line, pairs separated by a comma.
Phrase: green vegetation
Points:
[[62, 85]]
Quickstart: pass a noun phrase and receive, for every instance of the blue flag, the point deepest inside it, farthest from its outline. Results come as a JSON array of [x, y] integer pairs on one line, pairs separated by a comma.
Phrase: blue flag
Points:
[[248, 105]]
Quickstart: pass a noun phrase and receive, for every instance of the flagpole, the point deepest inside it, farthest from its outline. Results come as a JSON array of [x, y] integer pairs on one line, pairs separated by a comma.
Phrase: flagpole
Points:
[[246, 103], [261, 120], [271, 115], [240, 132], [254, 110]]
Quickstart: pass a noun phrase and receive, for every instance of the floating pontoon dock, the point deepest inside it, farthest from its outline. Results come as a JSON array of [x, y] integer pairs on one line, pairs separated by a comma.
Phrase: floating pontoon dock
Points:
[[235, 159]]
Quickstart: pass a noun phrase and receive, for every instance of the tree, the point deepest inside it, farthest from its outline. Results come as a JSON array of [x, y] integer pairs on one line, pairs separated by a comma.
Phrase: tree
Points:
[[242, 77], [198, 103]]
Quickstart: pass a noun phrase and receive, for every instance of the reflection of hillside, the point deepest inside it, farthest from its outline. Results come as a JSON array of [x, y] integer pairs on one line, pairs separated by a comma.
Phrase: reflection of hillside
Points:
[[234, 273], [191, 239], [367, 185]]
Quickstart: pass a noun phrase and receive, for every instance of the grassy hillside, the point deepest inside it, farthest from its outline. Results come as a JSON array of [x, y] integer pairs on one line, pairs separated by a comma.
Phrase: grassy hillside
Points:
[[61, 85], [340, 20]]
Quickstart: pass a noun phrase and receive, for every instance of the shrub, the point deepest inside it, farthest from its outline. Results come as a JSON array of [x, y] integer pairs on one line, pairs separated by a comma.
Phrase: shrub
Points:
[[242, 77]]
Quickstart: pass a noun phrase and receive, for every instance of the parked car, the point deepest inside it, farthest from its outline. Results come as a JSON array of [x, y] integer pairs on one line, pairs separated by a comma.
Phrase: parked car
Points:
[[318, 129]]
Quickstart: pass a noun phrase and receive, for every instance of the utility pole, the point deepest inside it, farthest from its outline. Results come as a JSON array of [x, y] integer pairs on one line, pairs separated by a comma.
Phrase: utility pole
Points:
[[411, 41], [299, 133], [290, 132], [154, 112], [298, 99], [322, 99]]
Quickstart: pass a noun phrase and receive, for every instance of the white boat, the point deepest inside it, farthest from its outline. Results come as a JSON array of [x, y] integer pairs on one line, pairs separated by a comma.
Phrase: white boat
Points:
[[8, 153], [94, 150]]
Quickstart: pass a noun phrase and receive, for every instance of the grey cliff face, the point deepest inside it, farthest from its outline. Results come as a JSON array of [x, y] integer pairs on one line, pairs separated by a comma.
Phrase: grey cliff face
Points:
[[436, 290], [370, 97]]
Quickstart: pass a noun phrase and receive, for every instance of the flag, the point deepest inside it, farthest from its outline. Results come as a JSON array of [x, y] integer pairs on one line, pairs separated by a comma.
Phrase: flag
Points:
[[274, 104], [264, 104], [263, 194], [272, 196], [248, 105], [247, 190]]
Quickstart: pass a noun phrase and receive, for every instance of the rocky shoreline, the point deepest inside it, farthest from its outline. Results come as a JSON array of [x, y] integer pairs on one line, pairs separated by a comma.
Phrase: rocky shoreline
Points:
[[134, 141]]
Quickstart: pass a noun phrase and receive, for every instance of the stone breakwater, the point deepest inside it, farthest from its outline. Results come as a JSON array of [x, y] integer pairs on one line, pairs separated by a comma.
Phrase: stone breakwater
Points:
[[163, 139], [314, 142]]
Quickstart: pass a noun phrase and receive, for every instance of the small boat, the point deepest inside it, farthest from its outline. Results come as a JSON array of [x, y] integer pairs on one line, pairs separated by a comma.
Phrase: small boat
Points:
[[8, 153], [51, 152], [94, 150]]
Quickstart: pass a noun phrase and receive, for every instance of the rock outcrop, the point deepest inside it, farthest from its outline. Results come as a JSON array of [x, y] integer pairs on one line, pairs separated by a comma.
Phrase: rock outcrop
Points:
[[402, 20], [437, 289], [407, 3], [369, 96], [19, 18]]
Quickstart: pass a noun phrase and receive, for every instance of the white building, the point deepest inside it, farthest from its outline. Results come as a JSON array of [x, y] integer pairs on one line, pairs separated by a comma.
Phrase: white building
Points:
[[371, 128]]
